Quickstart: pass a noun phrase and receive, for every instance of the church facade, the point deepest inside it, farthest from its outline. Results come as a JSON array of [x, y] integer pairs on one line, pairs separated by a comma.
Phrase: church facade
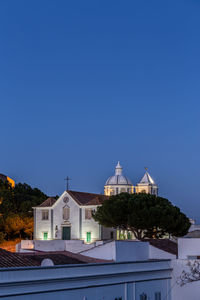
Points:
[[70, 216]]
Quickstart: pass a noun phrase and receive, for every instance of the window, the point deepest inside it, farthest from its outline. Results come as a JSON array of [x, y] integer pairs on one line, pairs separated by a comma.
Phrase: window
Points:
[[112, 235], [117, 191], [123, 190], [158, 296], [45, 215], [143, 296], [66, 213], [120, 298], [143, 191], [88, 237], [45, 236], [88, 213]]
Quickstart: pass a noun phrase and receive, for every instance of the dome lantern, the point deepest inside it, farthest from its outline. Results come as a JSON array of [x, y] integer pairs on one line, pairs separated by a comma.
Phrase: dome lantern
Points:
[[118, 169]]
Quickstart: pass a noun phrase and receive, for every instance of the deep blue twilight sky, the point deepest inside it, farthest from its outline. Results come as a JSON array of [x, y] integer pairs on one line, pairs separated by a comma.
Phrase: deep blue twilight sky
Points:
[[84, 84]]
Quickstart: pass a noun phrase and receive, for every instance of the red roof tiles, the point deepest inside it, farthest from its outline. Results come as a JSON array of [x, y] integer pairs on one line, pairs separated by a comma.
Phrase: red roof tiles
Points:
[[62, 257], [9, 260], [48, 202], [80, 197], [163, 244], [87, 198]]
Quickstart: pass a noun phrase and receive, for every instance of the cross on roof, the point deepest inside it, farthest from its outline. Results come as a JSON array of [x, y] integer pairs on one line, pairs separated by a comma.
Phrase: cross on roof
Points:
[[67, 182]]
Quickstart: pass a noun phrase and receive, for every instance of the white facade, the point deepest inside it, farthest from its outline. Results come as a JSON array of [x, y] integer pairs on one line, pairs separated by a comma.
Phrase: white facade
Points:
[[55, 222], [127, 251], [80, 223], [189, 290], [105, 281], [189, 248]]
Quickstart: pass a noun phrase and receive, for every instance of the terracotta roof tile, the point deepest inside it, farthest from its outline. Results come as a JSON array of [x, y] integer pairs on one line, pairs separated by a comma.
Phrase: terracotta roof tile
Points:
[[10, 260], [14, 260], [164, 244], [48, 202], [80, 197], [62, 257], [87, 198]]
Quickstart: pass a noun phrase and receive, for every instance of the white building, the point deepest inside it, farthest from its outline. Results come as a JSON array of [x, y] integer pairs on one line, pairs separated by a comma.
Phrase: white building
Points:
[[70, 216], [119, 183], [138, 279]]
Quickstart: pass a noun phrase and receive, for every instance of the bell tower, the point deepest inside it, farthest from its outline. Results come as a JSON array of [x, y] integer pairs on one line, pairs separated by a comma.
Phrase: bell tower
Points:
[[147, 185]]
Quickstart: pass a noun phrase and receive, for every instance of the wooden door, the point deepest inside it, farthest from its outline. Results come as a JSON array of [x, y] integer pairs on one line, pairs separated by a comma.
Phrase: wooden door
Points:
[[66, 233]]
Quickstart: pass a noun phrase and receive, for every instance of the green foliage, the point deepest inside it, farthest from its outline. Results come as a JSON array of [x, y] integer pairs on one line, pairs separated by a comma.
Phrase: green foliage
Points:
[[19, 200], [144, 214], [16, 209]]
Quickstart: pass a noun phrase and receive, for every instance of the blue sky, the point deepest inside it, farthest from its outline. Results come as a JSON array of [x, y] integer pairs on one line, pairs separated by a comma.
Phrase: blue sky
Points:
[[84, 84]]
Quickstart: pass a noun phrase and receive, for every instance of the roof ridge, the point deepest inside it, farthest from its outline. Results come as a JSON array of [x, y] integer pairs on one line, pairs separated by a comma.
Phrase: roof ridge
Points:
[[85, 193]]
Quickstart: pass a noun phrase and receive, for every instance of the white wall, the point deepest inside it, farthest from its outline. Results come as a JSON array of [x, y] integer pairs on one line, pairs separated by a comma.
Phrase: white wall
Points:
[[128, 251], [74, 216], [57, 219], [89, 225], [78, 230], [131, 250], [87, 281], [49, 246], [120, 251], [41, 225], [106, 233], [190, 291], [188, 247], [74, 246], [105, 251], [155, 253]]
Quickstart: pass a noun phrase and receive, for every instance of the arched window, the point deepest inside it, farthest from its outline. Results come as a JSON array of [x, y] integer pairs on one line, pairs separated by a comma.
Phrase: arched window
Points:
[[143, 191], [66, 213]]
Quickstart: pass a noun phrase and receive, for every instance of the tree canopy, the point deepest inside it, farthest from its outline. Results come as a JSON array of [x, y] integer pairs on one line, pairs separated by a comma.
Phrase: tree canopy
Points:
[[145, 215], [16, 213]]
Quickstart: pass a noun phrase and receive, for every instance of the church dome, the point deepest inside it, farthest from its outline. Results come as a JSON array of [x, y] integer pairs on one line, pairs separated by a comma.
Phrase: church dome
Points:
[[118, 178]]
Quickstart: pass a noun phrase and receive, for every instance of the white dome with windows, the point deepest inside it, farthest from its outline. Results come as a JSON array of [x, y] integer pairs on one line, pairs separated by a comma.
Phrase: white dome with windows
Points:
[[118, 183], [118, 178]]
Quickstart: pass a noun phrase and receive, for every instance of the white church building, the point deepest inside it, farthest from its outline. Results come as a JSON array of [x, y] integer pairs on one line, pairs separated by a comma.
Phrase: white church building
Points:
[[70, 216]]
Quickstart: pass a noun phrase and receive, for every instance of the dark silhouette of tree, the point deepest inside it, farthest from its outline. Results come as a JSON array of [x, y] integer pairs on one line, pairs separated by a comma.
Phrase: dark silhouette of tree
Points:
[[16, 213], [146, 215]]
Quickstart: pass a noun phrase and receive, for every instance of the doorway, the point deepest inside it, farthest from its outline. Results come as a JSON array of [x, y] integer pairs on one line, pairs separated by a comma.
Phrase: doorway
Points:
[[66, 233], [45, 236]]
